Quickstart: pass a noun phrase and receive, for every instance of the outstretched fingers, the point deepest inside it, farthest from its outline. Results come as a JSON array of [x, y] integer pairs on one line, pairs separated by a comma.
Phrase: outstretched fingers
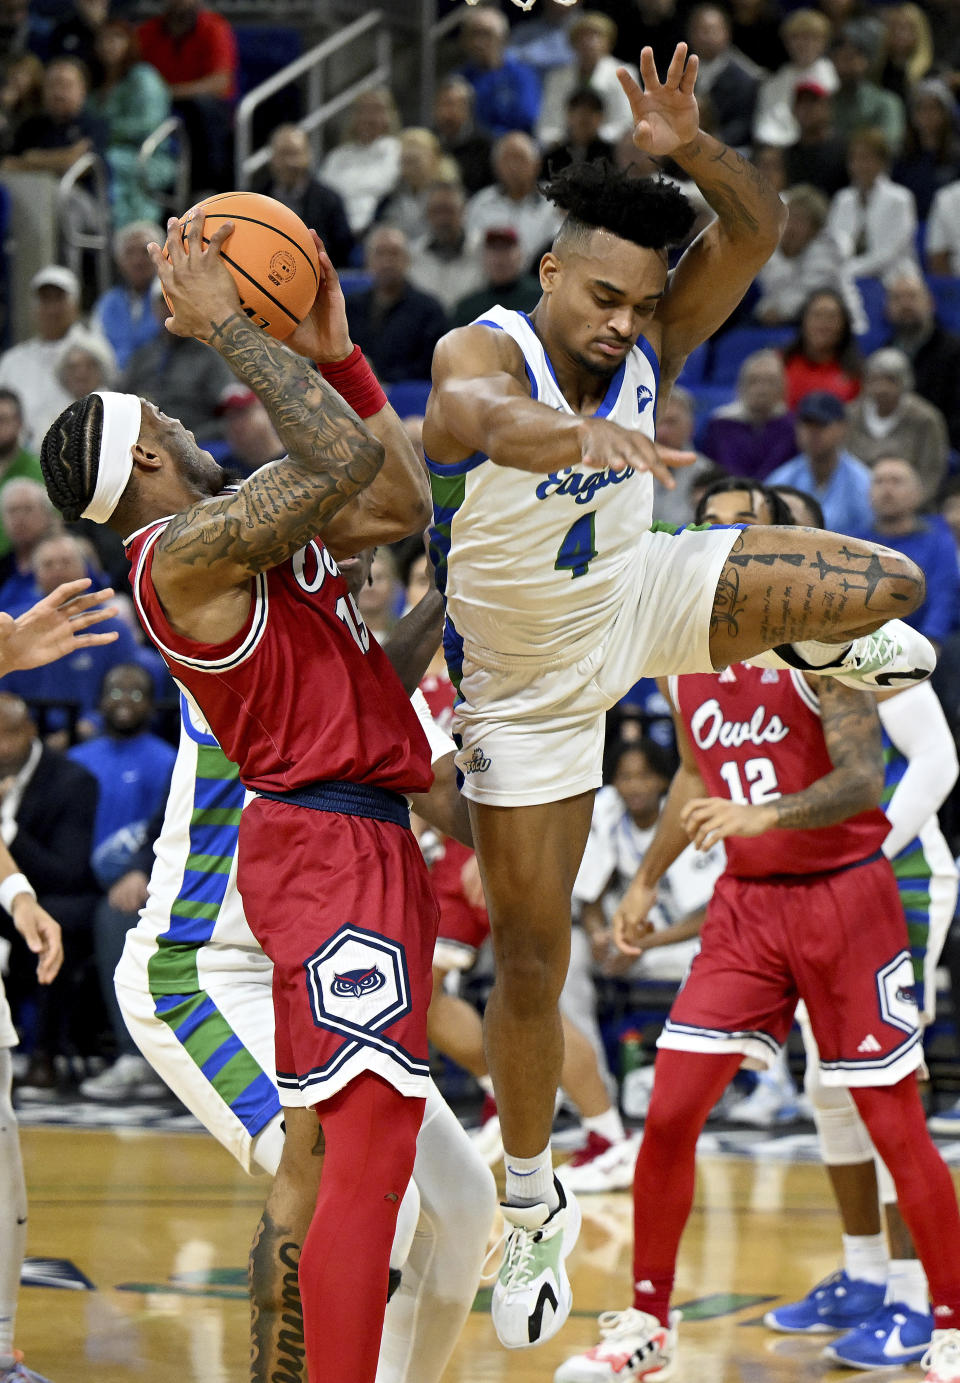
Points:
[[648, 68], [689, 79], [632, 90], [675, 70]]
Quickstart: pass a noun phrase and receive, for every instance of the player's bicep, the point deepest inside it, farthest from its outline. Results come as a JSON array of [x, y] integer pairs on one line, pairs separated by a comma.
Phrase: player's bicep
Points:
[[851, 730], [477, 371]]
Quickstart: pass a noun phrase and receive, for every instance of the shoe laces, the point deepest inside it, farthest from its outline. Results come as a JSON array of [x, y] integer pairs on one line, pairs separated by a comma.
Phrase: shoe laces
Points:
[[616, 1323], [833, 1285], [518, 1257], [944, 1352], [875, 650]]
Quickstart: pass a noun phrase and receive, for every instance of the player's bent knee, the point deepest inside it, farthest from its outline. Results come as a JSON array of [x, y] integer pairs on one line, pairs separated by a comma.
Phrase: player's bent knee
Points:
[[530, 983]]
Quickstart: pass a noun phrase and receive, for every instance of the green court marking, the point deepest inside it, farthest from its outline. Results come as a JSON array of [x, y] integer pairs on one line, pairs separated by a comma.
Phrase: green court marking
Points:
[[701, 1309], [169, 1289]]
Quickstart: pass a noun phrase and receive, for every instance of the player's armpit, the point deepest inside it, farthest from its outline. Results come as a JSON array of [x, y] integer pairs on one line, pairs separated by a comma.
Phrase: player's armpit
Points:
[[851, 729]]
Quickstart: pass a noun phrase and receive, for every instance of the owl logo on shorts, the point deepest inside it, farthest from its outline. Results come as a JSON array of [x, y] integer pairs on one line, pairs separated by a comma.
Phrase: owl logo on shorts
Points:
[[355, 983]]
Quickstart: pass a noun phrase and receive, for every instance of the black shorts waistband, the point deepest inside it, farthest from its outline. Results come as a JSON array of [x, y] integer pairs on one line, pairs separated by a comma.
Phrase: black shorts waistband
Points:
[[811, 876], [347, 799]]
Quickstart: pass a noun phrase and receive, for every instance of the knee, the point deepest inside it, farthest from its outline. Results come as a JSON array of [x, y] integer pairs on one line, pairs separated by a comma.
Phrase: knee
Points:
[[907, 588], [530, 977]]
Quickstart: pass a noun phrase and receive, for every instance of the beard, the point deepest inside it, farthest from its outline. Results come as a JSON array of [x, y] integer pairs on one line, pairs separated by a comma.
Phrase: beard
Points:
[[600, 368]]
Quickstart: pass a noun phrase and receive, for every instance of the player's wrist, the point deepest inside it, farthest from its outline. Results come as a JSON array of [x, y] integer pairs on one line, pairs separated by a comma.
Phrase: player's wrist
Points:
[[337, 355], [355, 382], [14, 888]]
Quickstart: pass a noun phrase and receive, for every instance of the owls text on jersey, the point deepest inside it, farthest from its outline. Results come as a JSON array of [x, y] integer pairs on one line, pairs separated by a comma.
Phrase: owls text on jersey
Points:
[[534, 564]]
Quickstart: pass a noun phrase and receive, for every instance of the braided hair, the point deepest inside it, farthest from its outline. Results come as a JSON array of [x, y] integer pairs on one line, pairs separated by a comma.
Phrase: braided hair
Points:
[[70, 456], [649, 212]]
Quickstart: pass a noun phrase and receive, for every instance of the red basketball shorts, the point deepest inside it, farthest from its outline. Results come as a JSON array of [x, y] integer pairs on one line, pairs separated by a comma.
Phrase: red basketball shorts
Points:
[[343, 907], [463, 926], [838, 941]]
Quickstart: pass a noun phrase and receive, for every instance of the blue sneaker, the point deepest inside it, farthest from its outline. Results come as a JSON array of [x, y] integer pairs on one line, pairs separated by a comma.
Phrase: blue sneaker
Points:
[[947, 1121], [19, 1373], [892, 1337], [837, 1303]]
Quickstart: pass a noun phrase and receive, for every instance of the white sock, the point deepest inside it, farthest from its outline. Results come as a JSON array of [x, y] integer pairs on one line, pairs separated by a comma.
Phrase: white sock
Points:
[[486, 1084], [609, 1125], [865, 1257], [907, 1283], [13, 1212], [530, 1179]]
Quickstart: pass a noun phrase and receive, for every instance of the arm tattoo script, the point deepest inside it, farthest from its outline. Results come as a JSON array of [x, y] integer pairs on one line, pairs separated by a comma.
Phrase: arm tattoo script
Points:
[[332, 457], [851, 728], [277, 1349]]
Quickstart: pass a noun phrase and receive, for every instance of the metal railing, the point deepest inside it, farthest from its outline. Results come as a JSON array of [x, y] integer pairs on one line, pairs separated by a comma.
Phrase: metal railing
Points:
[[175, 199], [432, 30], [95, 208], [319, 109]]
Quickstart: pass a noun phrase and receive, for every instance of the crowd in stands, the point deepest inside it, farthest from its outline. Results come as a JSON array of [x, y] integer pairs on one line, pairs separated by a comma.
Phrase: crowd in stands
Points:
[[839, 373]]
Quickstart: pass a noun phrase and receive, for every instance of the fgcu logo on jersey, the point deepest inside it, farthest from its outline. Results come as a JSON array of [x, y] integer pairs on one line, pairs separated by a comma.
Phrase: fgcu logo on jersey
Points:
[[358, 983], [644, 397], [582, 485]]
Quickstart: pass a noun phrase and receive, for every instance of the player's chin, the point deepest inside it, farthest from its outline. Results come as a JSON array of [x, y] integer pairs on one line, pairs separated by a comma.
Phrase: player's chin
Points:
[[603, 360]]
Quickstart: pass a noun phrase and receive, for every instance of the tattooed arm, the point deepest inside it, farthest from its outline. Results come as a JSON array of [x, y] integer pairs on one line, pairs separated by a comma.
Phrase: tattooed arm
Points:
[[851, 728], [719, 266]]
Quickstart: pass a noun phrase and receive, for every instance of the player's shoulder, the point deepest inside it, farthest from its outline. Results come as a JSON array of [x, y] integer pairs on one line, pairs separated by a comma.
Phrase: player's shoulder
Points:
[[482, 347]]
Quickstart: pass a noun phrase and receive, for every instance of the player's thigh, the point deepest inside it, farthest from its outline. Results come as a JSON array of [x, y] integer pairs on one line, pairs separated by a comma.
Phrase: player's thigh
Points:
[[783, 585]]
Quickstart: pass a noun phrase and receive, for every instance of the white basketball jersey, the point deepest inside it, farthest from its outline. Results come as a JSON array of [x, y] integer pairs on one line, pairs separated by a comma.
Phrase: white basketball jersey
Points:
[[535, 564]]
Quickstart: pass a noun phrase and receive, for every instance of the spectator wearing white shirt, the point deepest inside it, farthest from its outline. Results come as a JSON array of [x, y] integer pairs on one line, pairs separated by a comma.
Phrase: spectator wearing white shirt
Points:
[[807, 260], [447, 260], [367, 164], [30, 368], [874, 220], [943, 231], [514, 199], [593, 37], [806, 35]]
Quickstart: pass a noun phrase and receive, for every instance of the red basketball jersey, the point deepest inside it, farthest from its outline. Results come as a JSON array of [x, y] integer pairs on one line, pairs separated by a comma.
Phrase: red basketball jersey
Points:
[[756, 735], [302, 694]]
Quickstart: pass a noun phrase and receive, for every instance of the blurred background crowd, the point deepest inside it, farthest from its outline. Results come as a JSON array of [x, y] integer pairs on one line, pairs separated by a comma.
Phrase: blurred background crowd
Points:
[[838, 374]]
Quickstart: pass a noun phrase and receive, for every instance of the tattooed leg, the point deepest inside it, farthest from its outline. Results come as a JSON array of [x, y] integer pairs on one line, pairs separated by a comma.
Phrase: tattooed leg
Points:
[[793, 585], [277, 1348]]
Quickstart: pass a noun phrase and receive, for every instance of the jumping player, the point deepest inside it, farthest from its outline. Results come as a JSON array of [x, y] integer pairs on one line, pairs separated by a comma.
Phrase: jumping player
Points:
[[251, 613], [560, 595], [196, 996], [784, 755]]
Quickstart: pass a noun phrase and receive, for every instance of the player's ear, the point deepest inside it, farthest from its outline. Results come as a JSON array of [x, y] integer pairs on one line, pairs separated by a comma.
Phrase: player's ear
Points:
[[145, 457], [550, 270]]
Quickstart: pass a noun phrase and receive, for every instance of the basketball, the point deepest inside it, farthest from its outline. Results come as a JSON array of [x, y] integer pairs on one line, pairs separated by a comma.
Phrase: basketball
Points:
[[270, 255]]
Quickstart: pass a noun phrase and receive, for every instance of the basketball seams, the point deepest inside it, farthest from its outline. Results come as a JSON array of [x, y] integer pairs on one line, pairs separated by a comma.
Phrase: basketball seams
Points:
[[253, 221], [256, 283]]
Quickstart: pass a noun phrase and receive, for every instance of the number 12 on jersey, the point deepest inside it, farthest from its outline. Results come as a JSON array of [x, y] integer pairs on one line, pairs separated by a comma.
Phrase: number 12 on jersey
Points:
[[578, 548]]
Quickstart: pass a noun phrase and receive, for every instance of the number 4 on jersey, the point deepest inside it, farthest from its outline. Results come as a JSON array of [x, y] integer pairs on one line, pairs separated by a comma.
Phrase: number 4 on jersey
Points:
[[578, 548]]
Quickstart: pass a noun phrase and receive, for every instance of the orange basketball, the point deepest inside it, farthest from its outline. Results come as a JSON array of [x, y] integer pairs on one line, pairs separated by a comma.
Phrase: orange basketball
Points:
[[270, 255]]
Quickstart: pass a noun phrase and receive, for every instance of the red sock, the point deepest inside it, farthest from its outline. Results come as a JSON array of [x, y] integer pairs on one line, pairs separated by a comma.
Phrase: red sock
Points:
[[895, 1121], [370, 1135], [686, 1087]]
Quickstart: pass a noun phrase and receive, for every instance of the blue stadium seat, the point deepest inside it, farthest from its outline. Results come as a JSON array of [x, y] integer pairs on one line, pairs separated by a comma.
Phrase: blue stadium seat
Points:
[[946, 296], [694, 370], [877, 332], [409, 396], [354, 281], [732, 348]]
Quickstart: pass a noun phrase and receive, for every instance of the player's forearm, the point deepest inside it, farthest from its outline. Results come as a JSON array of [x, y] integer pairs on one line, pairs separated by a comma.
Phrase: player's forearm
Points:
[[317, 428], [683, 930], [513, 431], [395, 504], [748, 207], [830, 800], [415, 639], [670, 839]]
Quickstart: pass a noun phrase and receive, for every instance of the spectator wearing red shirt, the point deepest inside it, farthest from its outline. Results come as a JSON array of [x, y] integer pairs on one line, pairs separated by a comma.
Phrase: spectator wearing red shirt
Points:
[[195, 51], [824, 355]]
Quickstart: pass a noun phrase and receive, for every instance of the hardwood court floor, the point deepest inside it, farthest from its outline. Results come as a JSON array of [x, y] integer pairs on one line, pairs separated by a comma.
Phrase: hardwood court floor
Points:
[[160, 1224]]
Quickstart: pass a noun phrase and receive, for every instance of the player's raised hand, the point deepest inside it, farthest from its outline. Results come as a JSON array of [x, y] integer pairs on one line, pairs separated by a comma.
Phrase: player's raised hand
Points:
[[323, 335], [41, 933], [198, 285], [630, 921], [708, 820], [665, 113], [606, 445], [55, 626]]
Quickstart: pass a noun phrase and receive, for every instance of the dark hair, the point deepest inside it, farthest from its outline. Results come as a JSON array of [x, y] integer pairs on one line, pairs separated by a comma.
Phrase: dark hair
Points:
[[847, 352], [11, 396], [810, 501], [70, 456], [730, 484], [658, 759], [586, 96], [649, 212], [144, 672]]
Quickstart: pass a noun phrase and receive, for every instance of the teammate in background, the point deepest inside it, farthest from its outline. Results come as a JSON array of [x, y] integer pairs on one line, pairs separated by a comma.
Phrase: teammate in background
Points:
[[250, 611], [783, 756], [560, 595], [880, 1298], [214, 972]]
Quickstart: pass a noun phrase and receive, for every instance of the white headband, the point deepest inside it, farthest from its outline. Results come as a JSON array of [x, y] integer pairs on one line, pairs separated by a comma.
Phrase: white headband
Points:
[[121, 428]]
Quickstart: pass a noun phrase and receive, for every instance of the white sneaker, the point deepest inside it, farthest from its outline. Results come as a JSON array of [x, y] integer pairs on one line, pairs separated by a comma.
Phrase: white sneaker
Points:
[[532, 1297], [634, 1346], [601, 1166], [486, 1137], [130, 1078], [769, 1103], [942, 1359], [892, 656]]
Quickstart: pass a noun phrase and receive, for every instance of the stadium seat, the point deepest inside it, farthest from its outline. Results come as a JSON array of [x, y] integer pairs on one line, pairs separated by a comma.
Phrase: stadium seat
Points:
[[354, 281], [946, 296], [694, 370], [732, 349], [409, 396], [877, 332]]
